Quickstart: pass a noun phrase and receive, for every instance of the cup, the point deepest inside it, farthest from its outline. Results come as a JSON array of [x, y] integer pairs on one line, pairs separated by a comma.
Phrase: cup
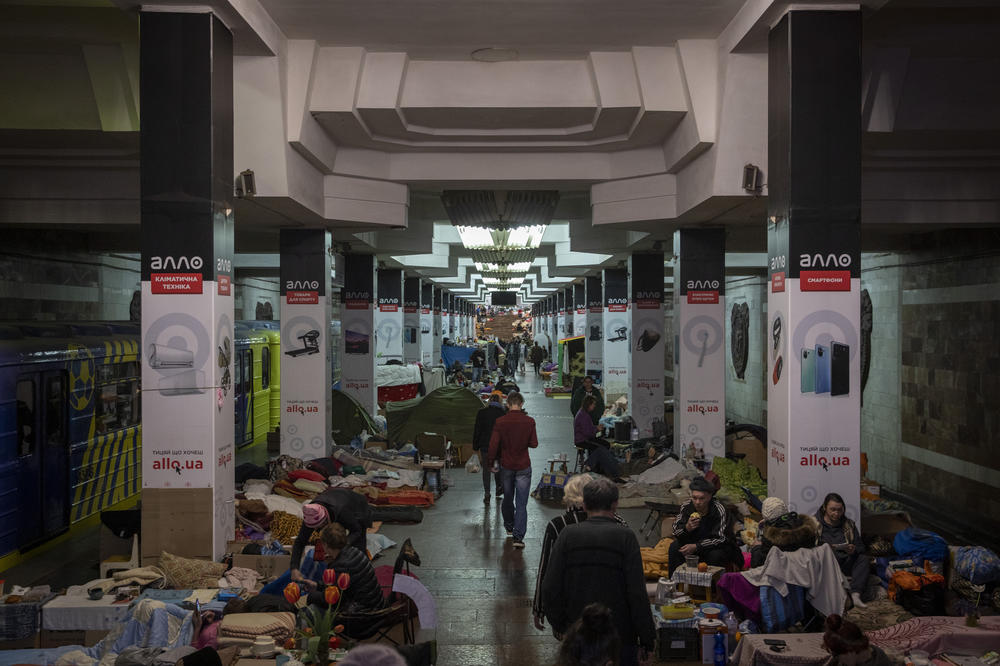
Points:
[[263, 646], [691, 561]]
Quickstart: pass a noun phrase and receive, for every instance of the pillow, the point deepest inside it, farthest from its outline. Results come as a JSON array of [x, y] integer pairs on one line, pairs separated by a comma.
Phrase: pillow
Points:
[[185, 573], [306, 474]]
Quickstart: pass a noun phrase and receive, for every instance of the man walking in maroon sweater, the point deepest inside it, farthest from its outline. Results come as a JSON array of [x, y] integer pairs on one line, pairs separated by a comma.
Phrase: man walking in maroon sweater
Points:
[[513, 434]]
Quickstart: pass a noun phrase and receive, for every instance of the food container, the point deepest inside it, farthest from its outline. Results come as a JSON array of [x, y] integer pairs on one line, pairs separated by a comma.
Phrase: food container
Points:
[[665, 589], [711, 613], [691, 561]]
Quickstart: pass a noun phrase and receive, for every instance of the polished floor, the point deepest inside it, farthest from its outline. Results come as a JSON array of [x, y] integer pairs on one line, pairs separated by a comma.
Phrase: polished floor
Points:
[[482, 584]]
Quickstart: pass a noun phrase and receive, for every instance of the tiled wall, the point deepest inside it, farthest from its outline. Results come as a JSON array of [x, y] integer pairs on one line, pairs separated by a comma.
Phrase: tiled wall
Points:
[[931, 419], [51, 277], [746, 399]]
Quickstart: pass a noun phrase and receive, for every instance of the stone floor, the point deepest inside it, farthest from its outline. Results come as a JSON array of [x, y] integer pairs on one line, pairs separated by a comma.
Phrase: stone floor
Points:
[[484, 586]]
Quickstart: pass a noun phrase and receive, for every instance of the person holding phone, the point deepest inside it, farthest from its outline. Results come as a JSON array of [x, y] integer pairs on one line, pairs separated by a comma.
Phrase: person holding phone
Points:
[[844, 538]]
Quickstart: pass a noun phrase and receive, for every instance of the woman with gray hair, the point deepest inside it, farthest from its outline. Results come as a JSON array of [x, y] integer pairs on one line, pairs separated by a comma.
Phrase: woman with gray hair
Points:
[[575, 513]]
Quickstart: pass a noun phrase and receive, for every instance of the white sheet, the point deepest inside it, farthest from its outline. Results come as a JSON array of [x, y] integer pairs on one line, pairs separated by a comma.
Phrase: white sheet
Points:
[[397, 375], [67, 613]]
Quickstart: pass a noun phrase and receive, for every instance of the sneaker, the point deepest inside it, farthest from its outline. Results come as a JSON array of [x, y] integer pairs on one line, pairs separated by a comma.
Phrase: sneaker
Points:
[[518, 543], [499, 493], [486, 498], [510, 533]]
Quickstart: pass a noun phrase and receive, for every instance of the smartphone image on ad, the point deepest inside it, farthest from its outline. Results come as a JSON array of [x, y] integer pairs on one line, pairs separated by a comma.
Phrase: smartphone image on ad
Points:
[[807, 373], [822, 369], [840, 372]]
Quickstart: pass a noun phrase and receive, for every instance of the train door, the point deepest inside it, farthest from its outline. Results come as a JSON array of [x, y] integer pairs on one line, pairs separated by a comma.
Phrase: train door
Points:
[[43, 450], [243, 403]]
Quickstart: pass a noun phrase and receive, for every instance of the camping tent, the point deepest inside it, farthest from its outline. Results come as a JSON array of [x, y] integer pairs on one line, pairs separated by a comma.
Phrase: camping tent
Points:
[[349, 418], [449, 410]]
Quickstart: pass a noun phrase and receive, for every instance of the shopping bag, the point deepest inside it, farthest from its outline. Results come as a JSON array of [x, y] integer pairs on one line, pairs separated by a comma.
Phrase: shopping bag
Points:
[[472, 464]]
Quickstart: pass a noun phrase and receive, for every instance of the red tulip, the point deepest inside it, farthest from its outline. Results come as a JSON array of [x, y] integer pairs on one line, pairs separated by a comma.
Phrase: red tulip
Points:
[[289, 644], [344, 580], [338, 629], [329, 576], [334, 642], [292, 593], [332, 595]]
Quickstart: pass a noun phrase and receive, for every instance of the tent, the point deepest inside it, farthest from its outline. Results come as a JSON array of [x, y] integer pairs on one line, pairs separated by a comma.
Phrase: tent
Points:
[[450, 354], [449, 410], [349, 418]]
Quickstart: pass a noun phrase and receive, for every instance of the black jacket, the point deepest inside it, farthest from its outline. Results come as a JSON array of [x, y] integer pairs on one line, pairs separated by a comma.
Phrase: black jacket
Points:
[[364, 593], [598, 561], [713, 530], [485, 419], [346, 507], [788, 533]]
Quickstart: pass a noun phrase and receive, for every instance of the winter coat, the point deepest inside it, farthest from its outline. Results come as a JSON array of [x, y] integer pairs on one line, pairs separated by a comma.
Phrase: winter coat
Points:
[[787, 534]]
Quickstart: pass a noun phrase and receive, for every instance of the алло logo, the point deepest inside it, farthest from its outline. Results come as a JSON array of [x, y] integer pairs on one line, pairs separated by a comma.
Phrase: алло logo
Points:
[[301, 284], [180, 263], [829, 261]]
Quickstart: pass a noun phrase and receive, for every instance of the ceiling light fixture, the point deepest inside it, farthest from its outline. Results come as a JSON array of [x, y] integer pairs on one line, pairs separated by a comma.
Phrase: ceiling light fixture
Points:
[[494, 54]]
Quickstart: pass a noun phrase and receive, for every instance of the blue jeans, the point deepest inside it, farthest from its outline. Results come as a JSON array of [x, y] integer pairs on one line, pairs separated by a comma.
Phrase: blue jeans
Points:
[[516, 486], [476, 374]]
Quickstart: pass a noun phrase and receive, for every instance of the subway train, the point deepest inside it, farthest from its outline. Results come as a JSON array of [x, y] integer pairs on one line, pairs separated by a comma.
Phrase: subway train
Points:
[[70, 426]]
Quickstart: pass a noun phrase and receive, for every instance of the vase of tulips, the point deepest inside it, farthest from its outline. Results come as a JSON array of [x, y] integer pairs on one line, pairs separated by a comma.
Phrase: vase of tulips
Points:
[[320, 634]]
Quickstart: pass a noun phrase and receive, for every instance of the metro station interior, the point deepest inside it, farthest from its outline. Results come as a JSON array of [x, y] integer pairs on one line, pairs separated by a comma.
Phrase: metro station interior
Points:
[[515, 147]]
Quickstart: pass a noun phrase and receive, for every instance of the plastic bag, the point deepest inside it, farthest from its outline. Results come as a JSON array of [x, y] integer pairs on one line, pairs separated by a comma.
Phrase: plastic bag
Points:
[[472, 465]]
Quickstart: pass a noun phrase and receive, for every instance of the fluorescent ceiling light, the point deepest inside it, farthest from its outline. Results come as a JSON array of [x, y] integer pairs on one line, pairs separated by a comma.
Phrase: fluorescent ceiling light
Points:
[[475, 237], [510, 281], [526, 236], [519, 267], [516, 237]]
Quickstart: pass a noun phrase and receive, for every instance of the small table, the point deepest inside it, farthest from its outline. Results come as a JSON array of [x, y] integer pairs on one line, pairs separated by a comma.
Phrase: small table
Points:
[[432, 470], [697, 581], [73, 613], [557, 465], [801, 650]]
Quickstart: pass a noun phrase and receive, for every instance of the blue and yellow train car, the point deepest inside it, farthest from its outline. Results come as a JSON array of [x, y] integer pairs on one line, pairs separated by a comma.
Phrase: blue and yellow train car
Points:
[[70, 434]]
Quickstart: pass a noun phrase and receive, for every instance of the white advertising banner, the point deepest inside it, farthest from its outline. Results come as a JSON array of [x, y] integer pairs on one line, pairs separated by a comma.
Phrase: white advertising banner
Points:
[[594, 343], [437, 324], [188, 345], [305, 347], [646, 372], [357, 344], [389, 316], [814, 367], [616, 334], [699, 322]]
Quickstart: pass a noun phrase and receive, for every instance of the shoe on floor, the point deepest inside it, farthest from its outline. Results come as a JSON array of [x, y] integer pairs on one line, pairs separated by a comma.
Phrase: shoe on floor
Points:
[[486, 498], [518, 543], [510, 533], [499, 493]]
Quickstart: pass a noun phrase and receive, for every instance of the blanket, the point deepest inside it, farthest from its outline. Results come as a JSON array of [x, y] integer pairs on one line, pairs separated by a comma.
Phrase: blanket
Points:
[[654, 560], [280, 626], [939, 634], [815, 569], [142, 576]]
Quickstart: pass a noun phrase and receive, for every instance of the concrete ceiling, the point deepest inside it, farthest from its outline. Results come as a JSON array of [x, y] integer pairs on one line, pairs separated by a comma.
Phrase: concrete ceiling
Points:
[[452, 29]]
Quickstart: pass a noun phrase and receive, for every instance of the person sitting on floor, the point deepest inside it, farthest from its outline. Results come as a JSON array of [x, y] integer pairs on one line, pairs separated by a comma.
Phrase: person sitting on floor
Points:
[[849, 646], [788, 531], [340, 505], [702, 528], [592, 640], [844, 537], [363, 594]]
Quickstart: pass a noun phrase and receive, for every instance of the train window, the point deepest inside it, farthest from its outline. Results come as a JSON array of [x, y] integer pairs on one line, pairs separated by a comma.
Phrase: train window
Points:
[[55, 410], [265, 368], [248, 369], [25, 417], [118, 403]]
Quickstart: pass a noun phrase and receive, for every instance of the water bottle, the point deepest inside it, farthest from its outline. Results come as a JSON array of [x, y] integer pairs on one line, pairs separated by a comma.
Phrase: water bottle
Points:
[[635, 434], [733, 629], [719, 658]]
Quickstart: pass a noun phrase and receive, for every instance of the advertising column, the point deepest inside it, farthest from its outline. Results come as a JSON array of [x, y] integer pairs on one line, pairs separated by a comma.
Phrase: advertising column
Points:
[[814, 303], [426, 325], [187, 292], [561, 314], [437, 322], [411, 320], [553, 324], [579, 309], [700, 330], [389, 316], [357, 353], [594, 345], [446, 316], [616, 337], [305, 351], [646, 372]]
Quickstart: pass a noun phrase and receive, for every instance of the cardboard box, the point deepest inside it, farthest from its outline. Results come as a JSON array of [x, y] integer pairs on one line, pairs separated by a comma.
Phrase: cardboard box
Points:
[[177, 521], [29, 643], [753, 452], [871, 487], [267, 566], [667, 527]]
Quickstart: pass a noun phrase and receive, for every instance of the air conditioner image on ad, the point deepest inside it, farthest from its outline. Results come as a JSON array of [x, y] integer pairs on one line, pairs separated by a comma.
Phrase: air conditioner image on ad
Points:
[[310, 344], [162, 356], [185, 382]]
